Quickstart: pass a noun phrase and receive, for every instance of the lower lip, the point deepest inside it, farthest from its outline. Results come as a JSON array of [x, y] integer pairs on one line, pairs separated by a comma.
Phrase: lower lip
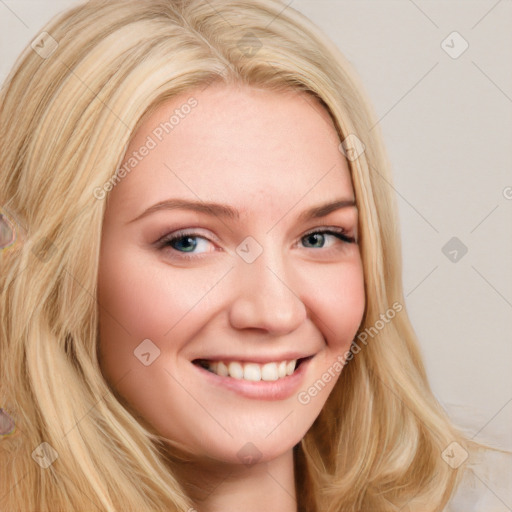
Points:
[[279, 389]]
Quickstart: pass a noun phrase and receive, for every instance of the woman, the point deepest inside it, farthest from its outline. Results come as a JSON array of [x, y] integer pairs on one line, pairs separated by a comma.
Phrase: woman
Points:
[[203, 307]]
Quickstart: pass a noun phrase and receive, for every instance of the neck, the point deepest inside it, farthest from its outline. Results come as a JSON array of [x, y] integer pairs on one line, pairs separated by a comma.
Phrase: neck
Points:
[[221, 487]]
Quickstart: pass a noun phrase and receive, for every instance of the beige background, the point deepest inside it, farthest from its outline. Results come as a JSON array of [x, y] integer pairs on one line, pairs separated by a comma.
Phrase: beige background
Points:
[[447, 124]]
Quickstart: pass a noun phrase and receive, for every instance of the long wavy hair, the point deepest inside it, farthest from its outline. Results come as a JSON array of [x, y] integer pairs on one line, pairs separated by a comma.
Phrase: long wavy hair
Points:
[[67, 113]]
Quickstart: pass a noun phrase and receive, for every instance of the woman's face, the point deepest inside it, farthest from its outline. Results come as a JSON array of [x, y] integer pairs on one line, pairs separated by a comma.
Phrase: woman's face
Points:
[[245, 285]]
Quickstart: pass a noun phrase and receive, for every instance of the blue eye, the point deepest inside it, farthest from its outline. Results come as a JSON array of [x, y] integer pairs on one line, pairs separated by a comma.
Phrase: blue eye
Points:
[[190, 245], [185, 242], [315, 237]]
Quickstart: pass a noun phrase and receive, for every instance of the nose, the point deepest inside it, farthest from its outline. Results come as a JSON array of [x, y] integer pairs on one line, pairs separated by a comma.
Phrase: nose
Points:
[[264, 296]]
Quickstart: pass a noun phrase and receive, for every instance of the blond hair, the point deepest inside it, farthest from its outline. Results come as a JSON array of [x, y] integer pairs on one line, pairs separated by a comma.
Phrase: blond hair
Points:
[[67, 113]]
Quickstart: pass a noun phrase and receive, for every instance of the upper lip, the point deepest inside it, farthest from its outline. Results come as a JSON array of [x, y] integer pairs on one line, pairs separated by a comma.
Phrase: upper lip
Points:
[[288, 356]]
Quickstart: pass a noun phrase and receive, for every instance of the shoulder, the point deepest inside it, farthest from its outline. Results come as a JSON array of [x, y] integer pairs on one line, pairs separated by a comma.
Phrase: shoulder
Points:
[[486, 484]]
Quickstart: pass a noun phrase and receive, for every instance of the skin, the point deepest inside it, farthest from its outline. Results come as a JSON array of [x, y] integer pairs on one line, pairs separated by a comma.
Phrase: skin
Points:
[[270, 155]]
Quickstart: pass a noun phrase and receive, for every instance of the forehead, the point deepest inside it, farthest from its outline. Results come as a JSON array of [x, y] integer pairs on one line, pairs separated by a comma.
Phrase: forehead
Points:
[[238, 145]]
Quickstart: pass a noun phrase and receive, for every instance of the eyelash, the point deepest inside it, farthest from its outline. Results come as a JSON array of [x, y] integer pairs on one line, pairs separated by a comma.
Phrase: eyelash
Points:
[[165, 242]]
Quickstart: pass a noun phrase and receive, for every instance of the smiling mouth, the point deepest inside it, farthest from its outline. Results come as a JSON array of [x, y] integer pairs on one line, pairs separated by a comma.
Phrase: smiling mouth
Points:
[[254, 372]]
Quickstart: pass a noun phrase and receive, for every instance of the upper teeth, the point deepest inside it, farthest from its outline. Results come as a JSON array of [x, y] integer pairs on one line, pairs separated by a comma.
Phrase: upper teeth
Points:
[[253, 371]]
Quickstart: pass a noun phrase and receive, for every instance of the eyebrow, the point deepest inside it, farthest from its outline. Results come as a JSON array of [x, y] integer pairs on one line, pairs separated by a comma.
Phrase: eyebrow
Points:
[[225, 211]]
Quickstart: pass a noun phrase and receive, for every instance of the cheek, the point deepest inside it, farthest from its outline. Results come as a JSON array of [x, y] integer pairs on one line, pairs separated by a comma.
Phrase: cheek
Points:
[[141, 297], [135, 303], [144, 296], [338, 306], [339, 302]]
